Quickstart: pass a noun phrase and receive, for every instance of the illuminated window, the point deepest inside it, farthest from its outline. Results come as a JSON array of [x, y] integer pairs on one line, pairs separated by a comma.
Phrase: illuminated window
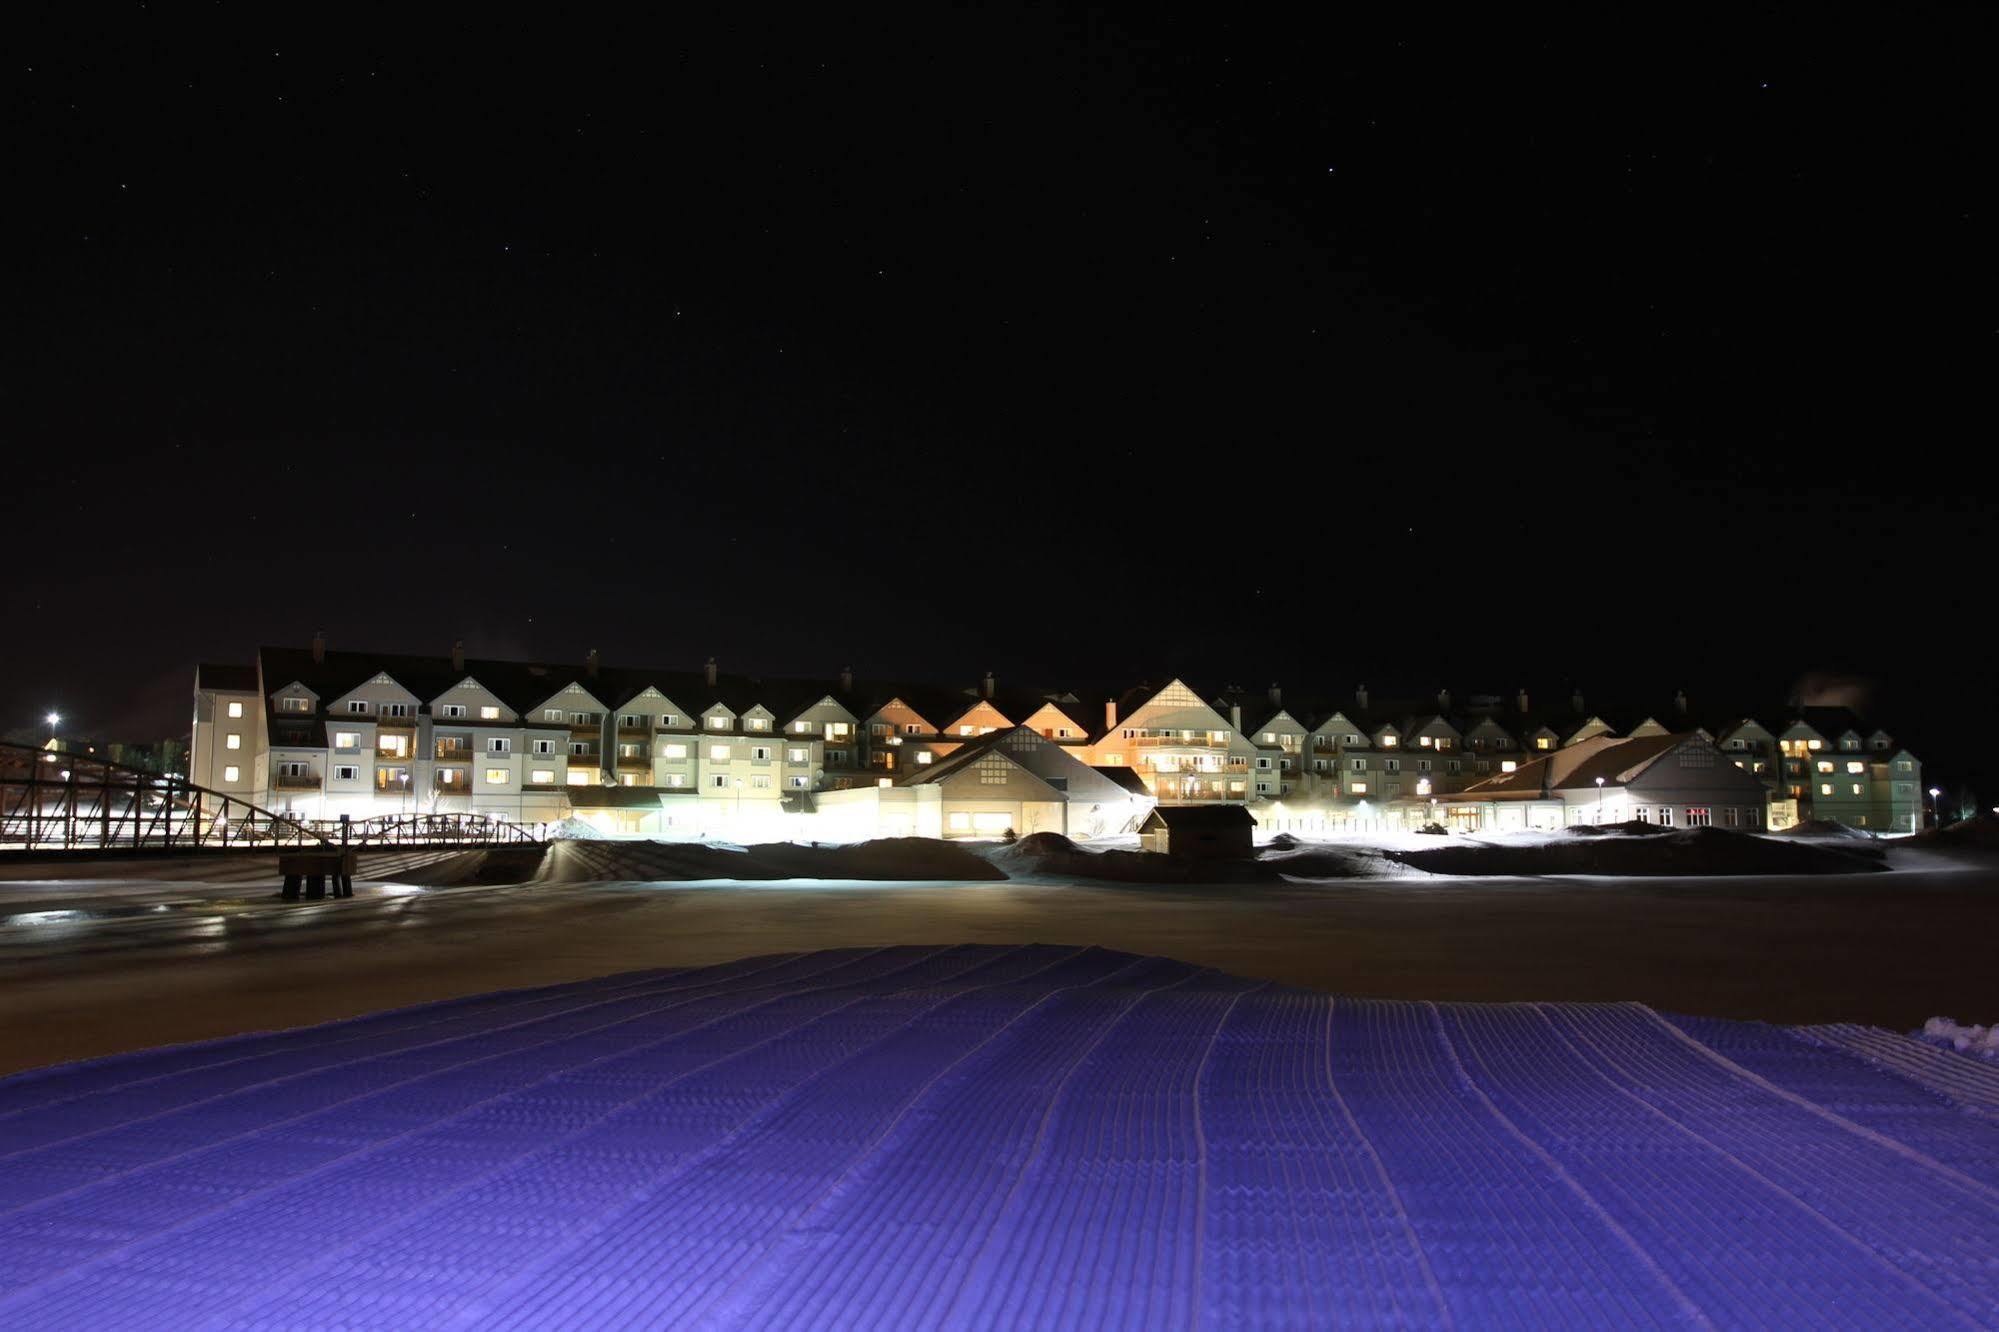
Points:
[[295, 705], [1856, 767], [1357, 788], [235, 709], [758, 723], [233, 742], [1825, 788], [964, 730], [1699, 818], [487, 712], [394, 746], [231, 774], [798, 755], [579, 777], [627, 779], [1507, 765], [1859, 788], [496, 776], [1390, 741], [1825, 765], [1424, 741], [923, 757], [718, 753], [718, 723], [1814, 744], [801, 727], [1423, 787], [676, 779], [761, 782], [542, 776], [1543, 742]]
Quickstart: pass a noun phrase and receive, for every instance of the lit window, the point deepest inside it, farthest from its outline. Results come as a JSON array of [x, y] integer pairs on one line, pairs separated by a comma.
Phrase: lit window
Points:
[[676, 751], [235, 709], [233, 742], [496, 776], [923, 757], [542, 776], [759, 723], [445, 777], [1114, 760], [964, 730], [1859, 788], [1825, 765], [676, 779], [1424, 741], [798, 755], [718, 753], [487, 712], [718, 723], [628, 780], [295, 704], [1543, 742], [1357, 788], [1856, 767], [231, 774], [1825, 788], [1507, 765], [1814, 744], [1390, 741], [579, 777]]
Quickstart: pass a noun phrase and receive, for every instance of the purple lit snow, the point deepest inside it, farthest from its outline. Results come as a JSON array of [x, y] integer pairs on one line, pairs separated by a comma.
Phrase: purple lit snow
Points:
[[1003, 1137]]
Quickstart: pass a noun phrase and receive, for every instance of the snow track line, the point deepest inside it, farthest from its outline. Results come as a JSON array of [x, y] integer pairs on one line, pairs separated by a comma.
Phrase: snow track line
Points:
[[1687, 1307], [1854, 1242], [1381, 1174], [1966, 1084], [13, 1298], [1201, 1159]]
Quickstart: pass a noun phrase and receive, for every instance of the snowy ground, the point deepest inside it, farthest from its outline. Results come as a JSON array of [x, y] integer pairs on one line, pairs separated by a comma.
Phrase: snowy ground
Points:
[[1005, 1136]]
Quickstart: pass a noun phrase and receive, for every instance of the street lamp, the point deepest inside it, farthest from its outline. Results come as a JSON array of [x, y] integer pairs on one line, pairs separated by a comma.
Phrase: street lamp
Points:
[[52, 719], [1599, 800], [1936, 810]]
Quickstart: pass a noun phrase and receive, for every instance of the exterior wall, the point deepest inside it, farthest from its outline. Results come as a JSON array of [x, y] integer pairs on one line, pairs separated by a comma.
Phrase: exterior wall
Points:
[[982, 718], [209, 754], [840, 759]]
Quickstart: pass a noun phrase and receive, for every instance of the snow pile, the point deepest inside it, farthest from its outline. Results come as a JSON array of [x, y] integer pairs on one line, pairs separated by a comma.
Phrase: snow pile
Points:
[[989, 1136], [1053, 856], [575, 830], [895, 858], [1980, 1042], [1626, 851]]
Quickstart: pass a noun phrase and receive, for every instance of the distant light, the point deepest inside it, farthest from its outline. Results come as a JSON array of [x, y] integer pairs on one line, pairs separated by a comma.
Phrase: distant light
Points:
[[53, 718], [1935, 792]]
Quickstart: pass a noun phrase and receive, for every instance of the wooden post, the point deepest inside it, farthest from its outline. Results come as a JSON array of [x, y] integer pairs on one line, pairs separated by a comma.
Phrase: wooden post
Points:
[[315, 887], [291, 887]]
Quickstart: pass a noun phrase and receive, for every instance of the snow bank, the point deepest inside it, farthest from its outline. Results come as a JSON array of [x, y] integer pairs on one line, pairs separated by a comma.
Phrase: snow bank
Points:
[[1981, 1042], [1051, 855], [1687, 851], [897, 858]]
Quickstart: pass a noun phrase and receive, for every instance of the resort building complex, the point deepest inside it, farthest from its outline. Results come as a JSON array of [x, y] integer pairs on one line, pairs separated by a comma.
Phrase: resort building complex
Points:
[[319, 734]]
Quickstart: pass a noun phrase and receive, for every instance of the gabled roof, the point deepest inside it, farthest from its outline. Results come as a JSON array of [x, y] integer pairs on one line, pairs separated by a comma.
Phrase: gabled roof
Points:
[[1128, 779], [1181, 818]]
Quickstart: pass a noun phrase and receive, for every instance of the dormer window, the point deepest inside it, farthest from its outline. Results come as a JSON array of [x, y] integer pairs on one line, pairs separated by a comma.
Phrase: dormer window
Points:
[[1390, 741], [451, 710], [718, 723], [488, 712], [357, 705], [758, 724], [295, 705]]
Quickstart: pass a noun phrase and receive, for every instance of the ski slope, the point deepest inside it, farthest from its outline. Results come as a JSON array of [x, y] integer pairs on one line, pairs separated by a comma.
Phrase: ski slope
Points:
[[1001, 1138]]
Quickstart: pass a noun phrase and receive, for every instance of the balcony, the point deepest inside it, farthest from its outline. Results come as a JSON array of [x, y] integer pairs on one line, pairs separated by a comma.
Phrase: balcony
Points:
[[1200, 740], [643, 728], [296, 781], [454, 753], [637, 762], [463, 786]]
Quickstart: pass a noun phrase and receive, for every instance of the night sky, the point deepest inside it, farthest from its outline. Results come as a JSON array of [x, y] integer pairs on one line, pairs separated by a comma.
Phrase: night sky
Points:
[[1081, 346]]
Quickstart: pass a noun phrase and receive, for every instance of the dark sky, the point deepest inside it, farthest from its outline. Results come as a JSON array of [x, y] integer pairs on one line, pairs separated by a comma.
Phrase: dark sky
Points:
[[1084, 346]]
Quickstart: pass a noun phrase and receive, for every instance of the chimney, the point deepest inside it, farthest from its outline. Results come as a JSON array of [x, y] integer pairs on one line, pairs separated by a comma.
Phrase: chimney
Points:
[[1521, 699], [846, 679], [1235, 717], [1360, 698], [1680, 702], [591, 662], [319, 647], [986, 686], [1444, 700], [1110, 714], [458, 656], [1576, 700], [709, 670], [1276, 696]]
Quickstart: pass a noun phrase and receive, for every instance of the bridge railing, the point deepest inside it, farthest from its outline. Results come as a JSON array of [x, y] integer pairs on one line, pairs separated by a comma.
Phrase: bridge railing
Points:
[[52, 801]]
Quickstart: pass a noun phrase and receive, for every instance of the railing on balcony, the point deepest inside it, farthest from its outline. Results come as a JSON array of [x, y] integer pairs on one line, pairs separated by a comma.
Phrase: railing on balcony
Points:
[[639, 760], [296, 781], [454, 753], [1199, 740]]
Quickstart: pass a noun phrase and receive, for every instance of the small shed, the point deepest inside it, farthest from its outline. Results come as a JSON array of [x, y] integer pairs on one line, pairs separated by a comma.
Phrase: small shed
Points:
[[1205, 832]]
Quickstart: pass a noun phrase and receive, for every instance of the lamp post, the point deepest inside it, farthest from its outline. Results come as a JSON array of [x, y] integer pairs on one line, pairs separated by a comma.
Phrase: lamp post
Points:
[[53, 719], [1936, 810], [1599, 800], [739, 805]]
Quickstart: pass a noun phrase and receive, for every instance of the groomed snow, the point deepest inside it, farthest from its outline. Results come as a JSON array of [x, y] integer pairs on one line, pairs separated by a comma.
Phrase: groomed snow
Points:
[[996, 1136]]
